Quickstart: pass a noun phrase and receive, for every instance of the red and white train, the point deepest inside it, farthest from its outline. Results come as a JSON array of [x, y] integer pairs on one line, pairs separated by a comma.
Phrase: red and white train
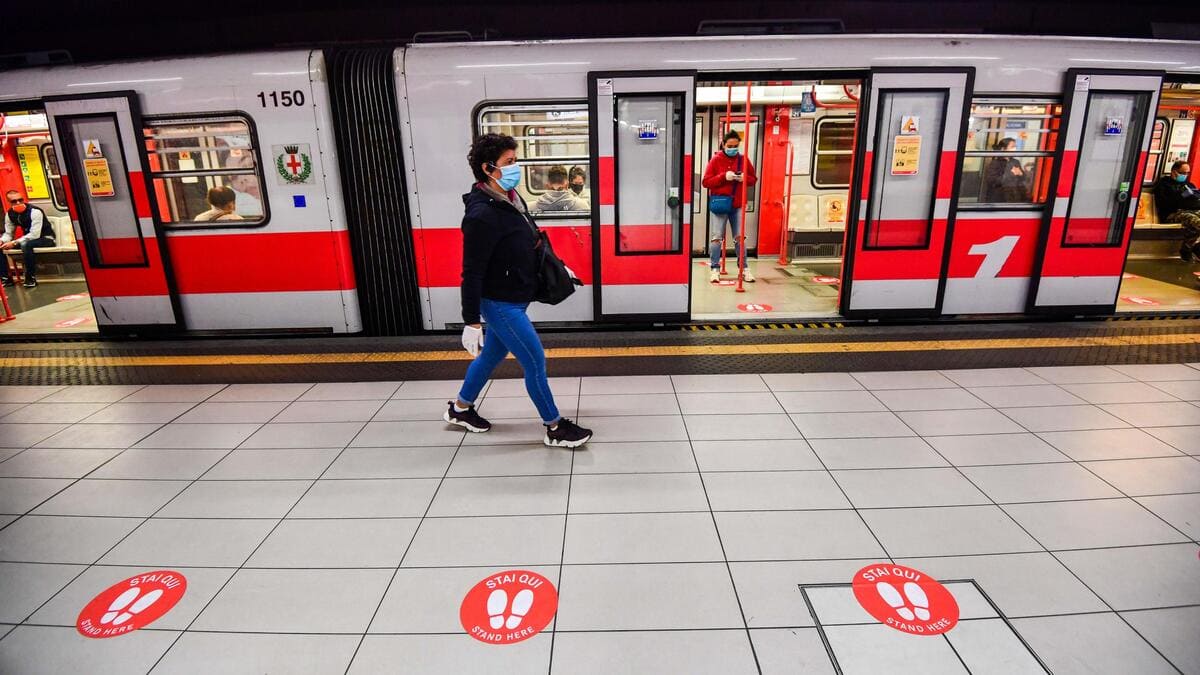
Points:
[[881, 159]]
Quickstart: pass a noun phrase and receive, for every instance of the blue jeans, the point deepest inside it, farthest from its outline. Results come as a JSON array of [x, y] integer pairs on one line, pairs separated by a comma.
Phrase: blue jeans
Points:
[[30, 258], [716, 236], [510, 330]]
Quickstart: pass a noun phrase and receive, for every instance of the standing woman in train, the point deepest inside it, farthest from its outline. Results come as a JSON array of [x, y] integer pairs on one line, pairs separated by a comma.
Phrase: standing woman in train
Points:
[[724, 176], [499, 280]]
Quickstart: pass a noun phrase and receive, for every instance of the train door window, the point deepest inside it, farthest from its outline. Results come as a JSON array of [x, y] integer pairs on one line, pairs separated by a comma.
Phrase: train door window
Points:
[[900, 207], [833, 152], [553, 152], [206, 172], [1107, 156], [648, 173], [54, 178], [1009, 152], [1158, 141]]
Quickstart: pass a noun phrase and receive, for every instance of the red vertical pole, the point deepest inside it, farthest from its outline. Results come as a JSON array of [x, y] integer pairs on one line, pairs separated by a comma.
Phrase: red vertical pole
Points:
[[787, 210], [8, 314], [725, 130], [741, 240]]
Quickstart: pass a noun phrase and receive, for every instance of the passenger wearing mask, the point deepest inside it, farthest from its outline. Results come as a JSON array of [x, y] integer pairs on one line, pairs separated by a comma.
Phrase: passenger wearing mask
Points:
[[557, 197], [1005, 180], [578, 184], [223, 205], [1177, 201], [725, 174], [37, 233], [499, 280]]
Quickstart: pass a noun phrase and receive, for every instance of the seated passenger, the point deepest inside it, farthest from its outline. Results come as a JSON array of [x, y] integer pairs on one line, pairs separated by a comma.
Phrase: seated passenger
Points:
[[1005, 180], [1178, 201], [558, 197], [578, 181], [37, 233], [224, 205]]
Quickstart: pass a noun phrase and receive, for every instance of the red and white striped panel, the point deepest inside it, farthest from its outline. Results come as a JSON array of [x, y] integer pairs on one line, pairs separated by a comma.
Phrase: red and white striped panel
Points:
[[991, 262], [1080, 266]]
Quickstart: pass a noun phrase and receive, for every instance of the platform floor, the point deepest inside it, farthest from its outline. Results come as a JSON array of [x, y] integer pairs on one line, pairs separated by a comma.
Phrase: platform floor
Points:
[[337, 527]]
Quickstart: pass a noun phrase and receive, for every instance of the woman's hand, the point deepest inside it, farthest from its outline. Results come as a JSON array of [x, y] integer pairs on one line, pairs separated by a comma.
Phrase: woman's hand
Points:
[[730, 176], [472, 338]]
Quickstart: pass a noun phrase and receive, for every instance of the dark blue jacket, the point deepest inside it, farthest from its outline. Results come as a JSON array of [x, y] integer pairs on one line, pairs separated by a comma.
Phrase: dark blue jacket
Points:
[[498, 255]]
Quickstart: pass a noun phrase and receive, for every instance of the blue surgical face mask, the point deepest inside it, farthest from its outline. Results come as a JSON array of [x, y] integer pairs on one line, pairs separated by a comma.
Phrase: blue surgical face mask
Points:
[[731, 152], [1182, 178], [510, 176]]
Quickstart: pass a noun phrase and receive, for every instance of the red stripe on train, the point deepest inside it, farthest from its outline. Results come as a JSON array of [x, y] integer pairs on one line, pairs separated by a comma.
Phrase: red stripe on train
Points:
[[606, 181], [977, 231], [945, 184], [687, 179], [1066, 176], [141, 201]]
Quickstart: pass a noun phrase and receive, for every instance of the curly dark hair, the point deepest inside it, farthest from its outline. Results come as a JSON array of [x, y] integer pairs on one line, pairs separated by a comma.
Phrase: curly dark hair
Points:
[[487, 150], [730, 135]]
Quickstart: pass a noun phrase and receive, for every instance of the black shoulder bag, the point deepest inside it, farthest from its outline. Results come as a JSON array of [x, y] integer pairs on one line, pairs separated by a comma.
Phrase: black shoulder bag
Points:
[[554, 284]]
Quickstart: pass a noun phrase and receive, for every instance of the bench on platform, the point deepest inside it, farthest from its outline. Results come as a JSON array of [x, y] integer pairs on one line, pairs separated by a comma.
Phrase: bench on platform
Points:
[[64, 236]]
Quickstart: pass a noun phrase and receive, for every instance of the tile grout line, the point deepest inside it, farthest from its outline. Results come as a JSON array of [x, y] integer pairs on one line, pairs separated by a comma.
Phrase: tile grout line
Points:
[[400, 563], [944, 636], [716, 527], [127, 534], [563, 552], [1060, 561]]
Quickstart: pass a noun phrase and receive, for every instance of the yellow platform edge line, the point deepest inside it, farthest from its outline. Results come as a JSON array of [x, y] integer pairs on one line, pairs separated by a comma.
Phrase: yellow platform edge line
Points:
[[603, 352]]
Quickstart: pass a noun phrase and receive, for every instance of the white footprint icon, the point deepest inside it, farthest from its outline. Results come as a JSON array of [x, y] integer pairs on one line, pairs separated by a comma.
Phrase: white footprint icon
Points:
[[892, 597], [117, 617], [496, 604], [520, 608], [918, 599]]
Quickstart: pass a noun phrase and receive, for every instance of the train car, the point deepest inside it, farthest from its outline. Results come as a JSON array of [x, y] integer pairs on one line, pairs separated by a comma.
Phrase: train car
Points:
[[320, 191], [899, 176], [127, 159]]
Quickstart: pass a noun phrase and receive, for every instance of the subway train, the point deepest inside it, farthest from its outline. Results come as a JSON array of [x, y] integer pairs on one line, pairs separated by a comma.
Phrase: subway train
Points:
[[321, 191]]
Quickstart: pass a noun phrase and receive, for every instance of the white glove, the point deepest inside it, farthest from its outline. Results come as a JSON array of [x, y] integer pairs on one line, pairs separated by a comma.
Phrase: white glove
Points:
[[729, 175], [472, 339]]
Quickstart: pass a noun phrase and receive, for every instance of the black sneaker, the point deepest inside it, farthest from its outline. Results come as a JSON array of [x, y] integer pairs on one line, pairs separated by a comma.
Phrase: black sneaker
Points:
[[6, 282], [566, 435], [467, 419], [30, 282], [1185, 253]]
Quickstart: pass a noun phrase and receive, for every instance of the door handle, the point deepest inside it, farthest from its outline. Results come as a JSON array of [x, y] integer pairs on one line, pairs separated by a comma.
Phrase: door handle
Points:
[[673, 202]]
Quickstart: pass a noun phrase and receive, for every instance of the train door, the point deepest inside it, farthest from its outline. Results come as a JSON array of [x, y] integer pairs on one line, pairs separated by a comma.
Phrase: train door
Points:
[[906, 169], [97, 139], [641, 130], [1097, 180]]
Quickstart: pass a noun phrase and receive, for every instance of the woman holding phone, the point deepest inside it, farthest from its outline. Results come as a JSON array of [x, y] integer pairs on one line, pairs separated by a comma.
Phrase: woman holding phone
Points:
[[726, 172]]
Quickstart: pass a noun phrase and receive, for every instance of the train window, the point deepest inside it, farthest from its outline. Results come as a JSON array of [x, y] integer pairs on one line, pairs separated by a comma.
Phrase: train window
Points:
[[900, 209], [553, 152], [1158, 142], [1009, 154], [53, 177], [193, 158], [833, 151]]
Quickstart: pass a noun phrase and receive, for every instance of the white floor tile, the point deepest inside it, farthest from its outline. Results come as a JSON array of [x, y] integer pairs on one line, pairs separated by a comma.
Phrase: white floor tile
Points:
[[459, 654], [740, 427], [770, 591], [1038, 483], [26, 393], [1092, 524], [929, 399], [634, 428], [647, 597], [948, 531], [1108, 444], [169, 543], [959, 422], [811, 382], [851, 425], [609, 405], [829, 401], [503, 541], [1137, 477], [745, 403], [641, 538], [790, 650], [19, 495], [179, 463], [513, 460], [345, 542], [1090, 644], [880, 649], [795, 535], [358, 411], [440, 389], [627, 493], [1079, 374], [1156, 414], [1025, 396], [773, 491], [426, 462], [560, 386], [350, 391], [991, 646], [1171, 632], [236, 499], [199, 653], [272, 464], [52, 413], [690, 384], [627, 384], [262, 392], [25, 586], [38, 650], [1064, 418], [367, 498], [296, 601], [1188, 390], [993, 377], [97, 393], [144, 412], [501, 496], [876, 453], [128, 498], [1181, 511], [904, 379], [304, 435], [1159, 372], [986, 449], [1119, 392], [887, 488], [427, 600], [173, 393], [669, 456], [719, 652], [230, 412], [1184, 439], [761, 455], [1139, 577], [226, 436], [59, 539]]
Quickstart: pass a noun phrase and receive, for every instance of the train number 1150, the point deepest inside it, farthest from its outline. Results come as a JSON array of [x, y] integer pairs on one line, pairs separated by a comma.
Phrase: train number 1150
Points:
[[281, 99]]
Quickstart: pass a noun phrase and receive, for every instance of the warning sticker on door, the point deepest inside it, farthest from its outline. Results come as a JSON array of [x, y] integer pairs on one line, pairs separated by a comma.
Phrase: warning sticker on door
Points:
[[131, 604], [99, 178], [905, 599], [508, 607]]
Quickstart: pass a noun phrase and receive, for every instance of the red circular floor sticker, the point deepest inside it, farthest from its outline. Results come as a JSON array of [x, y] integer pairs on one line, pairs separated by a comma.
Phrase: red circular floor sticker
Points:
[[69, 323], [508, 607], [754, 308], [905, 599], [131, 604], [1138, 300], [73, 296], [825, 280]]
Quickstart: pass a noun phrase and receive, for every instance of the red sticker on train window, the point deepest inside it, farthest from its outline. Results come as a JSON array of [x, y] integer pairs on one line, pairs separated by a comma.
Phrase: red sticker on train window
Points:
[[508, 607], [905, 599], [754, 308], [131, 604]]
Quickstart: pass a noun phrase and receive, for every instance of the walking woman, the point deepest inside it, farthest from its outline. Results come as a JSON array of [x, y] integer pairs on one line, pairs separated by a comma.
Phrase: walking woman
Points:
[[499, 280]]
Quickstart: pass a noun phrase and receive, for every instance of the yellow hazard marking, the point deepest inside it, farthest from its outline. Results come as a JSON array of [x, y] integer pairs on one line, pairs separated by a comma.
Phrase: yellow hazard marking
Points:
[[603, 352]]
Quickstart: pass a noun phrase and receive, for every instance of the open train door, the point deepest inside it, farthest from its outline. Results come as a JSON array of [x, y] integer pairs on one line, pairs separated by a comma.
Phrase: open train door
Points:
[[906, 164], [98, 139], [1097, 180], [641, 131]]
